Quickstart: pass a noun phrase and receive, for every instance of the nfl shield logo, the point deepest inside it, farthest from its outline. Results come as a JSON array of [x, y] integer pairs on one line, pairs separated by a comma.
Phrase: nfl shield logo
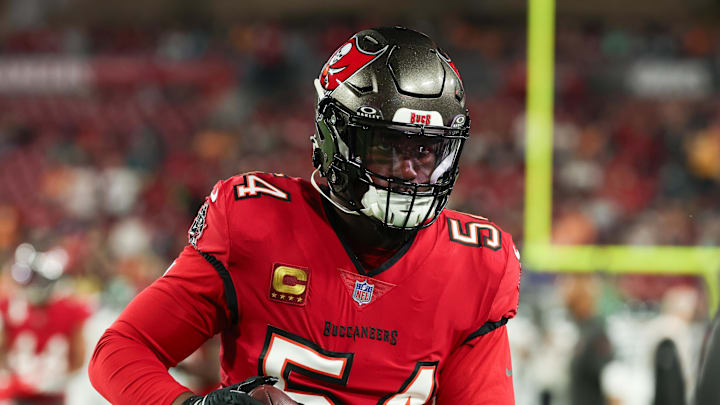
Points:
[[363, 291]]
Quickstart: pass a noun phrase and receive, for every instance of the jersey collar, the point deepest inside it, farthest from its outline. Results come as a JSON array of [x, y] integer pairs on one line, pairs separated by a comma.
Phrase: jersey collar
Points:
[[333, 221]]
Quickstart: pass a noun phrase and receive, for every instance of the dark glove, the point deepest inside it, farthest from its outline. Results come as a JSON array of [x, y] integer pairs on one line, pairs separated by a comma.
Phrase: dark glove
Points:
[[235, 394]]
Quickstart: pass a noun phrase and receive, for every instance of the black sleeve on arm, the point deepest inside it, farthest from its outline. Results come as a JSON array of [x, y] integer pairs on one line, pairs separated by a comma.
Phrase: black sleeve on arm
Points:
[[486, 328], [229, 287]]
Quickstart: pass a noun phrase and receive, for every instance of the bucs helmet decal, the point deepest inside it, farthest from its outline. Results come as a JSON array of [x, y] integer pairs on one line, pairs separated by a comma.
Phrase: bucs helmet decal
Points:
[[347, 60], [447, 60]]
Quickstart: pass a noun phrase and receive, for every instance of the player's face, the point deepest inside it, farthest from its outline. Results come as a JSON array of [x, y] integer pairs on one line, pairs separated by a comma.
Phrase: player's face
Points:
[[411, 158], [404, 158]]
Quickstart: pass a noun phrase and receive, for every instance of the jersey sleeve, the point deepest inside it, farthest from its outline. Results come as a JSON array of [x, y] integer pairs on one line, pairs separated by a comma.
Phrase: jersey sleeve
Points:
[[504, 304], [164, 324], [478, 373], [209, 231], [507, 298], [209, 235]]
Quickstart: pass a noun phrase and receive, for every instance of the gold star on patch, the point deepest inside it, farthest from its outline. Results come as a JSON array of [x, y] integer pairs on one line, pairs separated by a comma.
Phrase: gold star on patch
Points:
[[274, 295], [282, 296], [299, 299], [291, 298]]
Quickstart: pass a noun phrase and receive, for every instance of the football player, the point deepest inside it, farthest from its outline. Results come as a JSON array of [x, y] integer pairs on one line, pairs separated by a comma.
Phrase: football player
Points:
[[41, 340], [360, 289]]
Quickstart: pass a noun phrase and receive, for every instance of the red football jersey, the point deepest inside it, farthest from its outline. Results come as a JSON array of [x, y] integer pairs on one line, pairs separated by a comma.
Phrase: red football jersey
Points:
[[294, 302], [37, 340]]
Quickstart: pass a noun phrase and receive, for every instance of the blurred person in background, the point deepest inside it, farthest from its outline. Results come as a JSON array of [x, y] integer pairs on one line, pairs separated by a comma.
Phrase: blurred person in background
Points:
[[593, 350], [361, 290], [542, 345], [669, 381], [707, 390], [41, 330], [671, 342]]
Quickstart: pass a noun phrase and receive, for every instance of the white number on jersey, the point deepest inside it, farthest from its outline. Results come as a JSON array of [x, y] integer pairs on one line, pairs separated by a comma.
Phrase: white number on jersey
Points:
[[285, 353], [253, 186], [471, 235]]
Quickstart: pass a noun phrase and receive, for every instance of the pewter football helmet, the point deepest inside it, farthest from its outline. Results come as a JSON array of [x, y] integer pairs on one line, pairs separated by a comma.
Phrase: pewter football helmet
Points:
[[390, 125]]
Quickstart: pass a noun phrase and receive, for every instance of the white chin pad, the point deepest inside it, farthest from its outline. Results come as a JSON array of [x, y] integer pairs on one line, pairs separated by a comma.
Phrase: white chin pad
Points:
[[375, 202]]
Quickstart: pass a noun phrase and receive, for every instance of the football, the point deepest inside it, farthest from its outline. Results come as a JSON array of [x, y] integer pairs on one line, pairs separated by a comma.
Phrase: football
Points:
[[269, 395]]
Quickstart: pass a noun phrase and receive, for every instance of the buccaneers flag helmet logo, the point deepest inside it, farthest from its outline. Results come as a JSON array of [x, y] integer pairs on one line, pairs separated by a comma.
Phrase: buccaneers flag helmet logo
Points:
[[347, 60]]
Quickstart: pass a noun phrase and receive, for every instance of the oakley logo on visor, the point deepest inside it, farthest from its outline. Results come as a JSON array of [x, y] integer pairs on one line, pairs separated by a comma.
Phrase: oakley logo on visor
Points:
[[408, 116]]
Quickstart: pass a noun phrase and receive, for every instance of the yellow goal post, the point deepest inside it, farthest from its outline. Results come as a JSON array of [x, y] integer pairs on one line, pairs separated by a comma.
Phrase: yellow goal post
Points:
[[539, 253]]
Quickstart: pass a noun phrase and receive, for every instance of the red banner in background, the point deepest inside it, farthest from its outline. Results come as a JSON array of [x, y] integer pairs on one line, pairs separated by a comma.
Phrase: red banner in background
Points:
[[61, 75]]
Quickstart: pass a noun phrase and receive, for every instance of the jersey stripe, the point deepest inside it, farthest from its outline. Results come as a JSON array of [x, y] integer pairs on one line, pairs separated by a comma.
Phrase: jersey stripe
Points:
[[230, 294], [486, 328]]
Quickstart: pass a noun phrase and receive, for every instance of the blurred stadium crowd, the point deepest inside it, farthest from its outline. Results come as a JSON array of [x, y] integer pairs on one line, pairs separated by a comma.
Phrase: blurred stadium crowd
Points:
[[110, 138]]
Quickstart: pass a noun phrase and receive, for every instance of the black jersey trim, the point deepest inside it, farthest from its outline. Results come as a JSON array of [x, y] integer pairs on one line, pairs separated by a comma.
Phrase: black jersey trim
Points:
[[230, 294], [394, 259], [486, 328], [331, 216]]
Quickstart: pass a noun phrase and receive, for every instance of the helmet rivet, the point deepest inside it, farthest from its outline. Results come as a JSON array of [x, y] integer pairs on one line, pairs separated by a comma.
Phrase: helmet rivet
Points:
[[333, 119], [333, 177]]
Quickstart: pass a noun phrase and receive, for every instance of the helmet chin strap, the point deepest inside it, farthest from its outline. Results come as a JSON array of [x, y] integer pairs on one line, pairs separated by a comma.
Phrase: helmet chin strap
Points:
[[373, 202], [394, 209], [328, 197]]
